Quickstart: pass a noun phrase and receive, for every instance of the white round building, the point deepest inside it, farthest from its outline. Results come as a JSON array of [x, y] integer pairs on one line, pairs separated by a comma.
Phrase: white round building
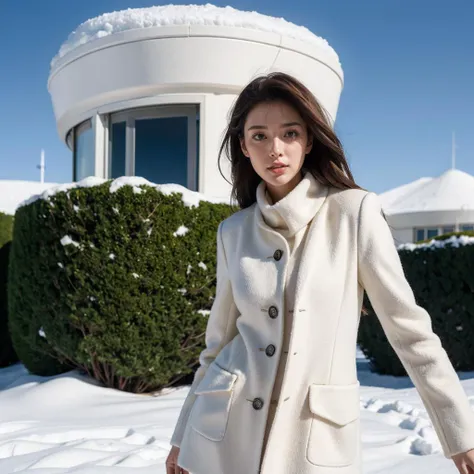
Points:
[[429, 207], [147, 92]]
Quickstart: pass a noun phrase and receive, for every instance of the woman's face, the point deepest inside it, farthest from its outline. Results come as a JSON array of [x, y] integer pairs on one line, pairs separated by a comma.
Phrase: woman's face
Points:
[[276, 142]]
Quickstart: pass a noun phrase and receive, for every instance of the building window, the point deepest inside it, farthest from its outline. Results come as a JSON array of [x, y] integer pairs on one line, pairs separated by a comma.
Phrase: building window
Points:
[[160, 144], [420, 235], [161, 150], [467, 227], [431, 232], [84, 151], [448, 229], [117, 149]]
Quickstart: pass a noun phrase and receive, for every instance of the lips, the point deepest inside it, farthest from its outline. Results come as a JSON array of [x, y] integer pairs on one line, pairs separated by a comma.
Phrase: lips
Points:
[[278, 170]]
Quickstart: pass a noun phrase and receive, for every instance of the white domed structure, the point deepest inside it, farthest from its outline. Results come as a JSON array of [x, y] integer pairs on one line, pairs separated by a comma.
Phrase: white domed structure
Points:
[[147, 92], [429, 207]]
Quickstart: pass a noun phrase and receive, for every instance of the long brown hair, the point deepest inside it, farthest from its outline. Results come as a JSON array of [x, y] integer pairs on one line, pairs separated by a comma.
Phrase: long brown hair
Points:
[[326, 160]]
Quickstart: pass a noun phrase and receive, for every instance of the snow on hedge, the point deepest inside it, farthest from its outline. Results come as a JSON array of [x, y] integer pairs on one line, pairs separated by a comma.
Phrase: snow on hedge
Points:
[[190, 198], [170, 15], [453, 241]]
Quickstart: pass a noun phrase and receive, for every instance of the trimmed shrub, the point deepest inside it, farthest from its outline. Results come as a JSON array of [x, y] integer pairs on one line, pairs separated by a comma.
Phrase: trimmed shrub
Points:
[[442, 279], [6, 228], [114, 280], [7, 353]]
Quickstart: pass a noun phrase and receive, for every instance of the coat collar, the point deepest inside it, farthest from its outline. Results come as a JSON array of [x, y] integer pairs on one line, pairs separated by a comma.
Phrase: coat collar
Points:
[[295, 210]]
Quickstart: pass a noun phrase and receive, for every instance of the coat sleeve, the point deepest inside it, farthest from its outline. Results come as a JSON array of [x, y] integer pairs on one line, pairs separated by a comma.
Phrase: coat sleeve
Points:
[[220, 330], [409, 330]]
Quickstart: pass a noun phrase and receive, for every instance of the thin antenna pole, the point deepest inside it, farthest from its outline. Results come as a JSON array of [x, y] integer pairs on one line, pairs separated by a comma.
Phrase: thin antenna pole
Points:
[[453, 157], [41, 167]]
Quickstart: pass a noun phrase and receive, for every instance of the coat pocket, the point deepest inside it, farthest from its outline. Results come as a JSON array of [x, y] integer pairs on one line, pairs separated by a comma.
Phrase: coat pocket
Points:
[[210, 412], [334, 433]]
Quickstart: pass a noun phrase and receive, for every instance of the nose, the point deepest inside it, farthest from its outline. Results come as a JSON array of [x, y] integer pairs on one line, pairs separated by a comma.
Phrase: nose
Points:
[[276, 148]]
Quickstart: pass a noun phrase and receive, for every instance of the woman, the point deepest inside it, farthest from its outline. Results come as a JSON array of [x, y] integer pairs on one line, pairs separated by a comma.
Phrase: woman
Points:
[[277, 389]]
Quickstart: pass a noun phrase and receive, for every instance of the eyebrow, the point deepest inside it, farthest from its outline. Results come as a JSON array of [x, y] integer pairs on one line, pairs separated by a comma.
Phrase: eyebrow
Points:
[[288, 124]]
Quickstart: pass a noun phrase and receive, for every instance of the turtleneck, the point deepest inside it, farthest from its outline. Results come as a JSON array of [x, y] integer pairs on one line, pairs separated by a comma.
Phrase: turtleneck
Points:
[[294, 211]]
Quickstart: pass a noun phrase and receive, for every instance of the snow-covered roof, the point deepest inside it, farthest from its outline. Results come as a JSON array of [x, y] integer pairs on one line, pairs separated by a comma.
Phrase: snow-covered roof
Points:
[[452, 191], [13, 193], [395, 194], [169, 15]]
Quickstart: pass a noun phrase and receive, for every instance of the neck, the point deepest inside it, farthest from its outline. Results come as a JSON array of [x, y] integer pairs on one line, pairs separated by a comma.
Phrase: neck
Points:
[[279, 192]]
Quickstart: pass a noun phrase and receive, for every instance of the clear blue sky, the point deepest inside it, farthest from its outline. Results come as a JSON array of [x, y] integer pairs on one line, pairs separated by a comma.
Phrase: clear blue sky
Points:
[[409, 81]]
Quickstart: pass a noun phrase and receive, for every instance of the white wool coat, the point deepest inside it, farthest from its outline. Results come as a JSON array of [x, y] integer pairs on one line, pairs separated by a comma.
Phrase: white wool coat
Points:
[[316, 429]]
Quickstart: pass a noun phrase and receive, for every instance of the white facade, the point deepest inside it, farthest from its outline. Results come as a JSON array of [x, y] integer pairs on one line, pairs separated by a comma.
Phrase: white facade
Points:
[[154, 101], [430, 206]]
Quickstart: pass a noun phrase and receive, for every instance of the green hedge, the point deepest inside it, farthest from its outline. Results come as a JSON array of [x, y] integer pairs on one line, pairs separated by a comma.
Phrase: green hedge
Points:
[[7, 353], [121, 296], [443, 283], [6, 228]]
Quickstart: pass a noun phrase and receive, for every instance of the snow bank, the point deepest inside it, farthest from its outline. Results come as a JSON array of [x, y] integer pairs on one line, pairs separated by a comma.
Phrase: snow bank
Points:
[[169, 15], [190, 198], [13, 193]]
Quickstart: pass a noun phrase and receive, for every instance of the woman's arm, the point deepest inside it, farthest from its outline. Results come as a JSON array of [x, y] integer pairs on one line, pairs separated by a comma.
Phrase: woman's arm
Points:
[[409, 331], [220, 330]]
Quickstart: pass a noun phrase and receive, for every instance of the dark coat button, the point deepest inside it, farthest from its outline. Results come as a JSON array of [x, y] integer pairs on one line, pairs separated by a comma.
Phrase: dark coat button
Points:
[[257, 403], [278, 254], [270, 350], [273, 312]]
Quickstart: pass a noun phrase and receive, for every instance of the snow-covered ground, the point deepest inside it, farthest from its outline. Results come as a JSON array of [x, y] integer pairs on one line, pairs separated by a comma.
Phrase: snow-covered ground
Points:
[[70, 424]]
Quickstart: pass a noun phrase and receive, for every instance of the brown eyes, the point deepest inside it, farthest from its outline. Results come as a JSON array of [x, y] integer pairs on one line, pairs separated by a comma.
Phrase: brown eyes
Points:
[[289, 133]]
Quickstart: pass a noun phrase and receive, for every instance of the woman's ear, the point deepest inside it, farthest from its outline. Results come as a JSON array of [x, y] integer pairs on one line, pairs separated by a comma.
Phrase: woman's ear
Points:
[[309, 145], [243, 147]]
